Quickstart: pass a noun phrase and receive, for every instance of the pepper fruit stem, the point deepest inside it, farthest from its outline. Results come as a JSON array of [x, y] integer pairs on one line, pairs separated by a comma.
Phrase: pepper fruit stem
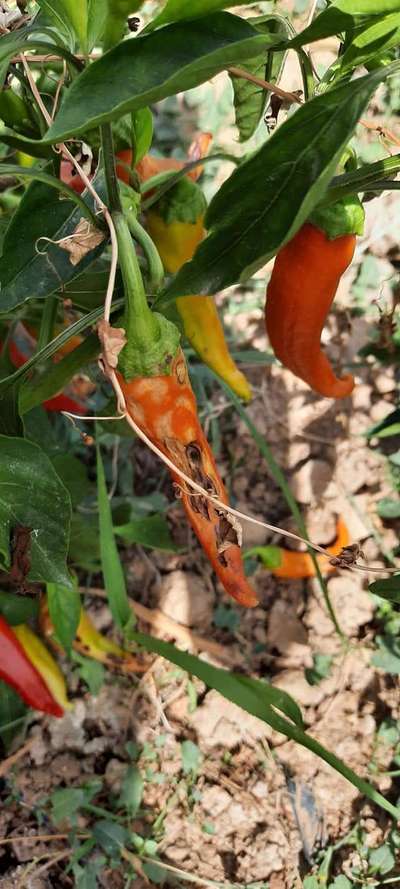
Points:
[[152, 340]]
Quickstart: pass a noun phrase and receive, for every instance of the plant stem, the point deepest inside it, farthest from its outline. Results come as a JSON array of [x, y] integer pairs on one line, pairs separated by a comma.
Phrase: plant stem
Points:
[[155, 266], [141, 325]]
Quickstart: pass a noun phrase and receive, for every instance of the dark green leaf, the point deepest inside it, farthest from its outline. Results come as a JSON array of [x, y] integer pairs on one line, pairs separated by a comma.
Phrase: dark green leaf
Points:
[[17, 610], [66, 803], [131, 791], [142, 126], [33, 496], [113, 574], [139, 72], [65, 609], [30, 265], [343, 15], [84, 548], [388, 588], [176, 10], [110, 836], [226, 617], [69, 13], [73, 475], [12, 714], [151, 531], [266, 200], [374, 39], [10, 420], [249, 98]]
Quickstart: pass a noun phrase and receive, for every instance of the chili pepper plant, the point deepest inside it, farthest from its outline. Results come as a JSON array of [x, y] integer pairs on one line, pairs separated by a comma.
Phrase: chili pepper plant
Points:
[[111, 257]]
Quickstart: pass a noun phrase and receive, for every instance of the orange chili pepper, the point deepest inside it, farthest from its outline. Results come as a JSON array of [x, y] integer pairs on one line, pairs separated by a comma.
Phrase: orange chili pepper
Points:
[[164, 407], [294, 565], [303, 284]]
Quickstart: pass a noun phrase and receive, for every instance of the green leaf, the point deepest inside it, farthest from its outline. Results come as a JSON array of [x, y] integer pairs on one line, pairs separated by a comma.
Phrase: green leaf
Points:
[[320, 670], [387, 656], [73, 475], [254, 214], [381, 860], [66, 803], [343, 15], [12, 714], [271, 556], [131, 791], [110, 836], [24, 271], [139, 72], [151, 531], [191, 757], [388, 588], [65, 610], [10, 420], [374, 39], [249, 98], [340, 882], [32, 495], [84, 548], [268, 703], [72, 13], [142, 126], [17, 610], [387, 427], [91, 672], [388, 508], [177, 10], [97, 14], [226, 617], [113, 574]]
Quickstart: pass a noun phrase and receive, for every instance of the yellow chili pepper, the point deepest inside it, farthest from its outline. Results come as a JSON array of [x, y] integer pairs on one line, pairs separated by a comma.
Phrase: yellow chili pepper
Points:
[[176, 225], [45, 664], [91, 643]]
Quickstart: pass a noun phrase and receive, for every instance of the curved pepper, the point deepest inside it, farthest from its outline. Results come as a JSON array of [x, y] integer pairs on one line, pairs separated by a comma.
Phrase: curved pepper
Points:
[[164, 407], [45, 664], [91, 643], [176, 227], [297, 565], [18, 671], [302, 287]]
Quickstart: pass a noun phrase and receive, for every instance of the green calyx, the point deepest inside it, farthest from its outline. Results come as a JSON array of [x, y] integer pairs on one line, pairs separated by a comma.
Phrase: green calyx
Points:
[[345, 217], [184, 202], [149, 354], [152, 340]]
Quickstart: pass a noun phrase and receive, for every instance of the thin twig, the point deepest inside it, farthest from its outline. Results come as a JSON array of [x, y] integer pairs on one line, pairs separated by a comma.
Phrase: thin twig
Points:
[[15, 757], [265, 84]]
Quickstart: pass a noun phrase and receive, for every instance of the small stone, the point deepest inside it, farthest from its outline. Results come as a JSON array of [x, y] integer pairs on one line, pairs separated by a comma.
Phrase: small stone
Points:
[[215, 800], [114, 774], [380, 410], [309, 482], [361, 397], [385, 382], [186, 599]]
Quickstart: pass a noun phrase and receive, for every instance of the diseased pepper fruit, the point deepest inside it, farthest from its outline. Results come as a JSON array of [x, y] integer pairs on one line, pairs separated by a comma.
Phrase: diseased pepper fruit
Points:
[[45, 664], [71, 177], [164, 407], [301, 290], [292, 565], [176, 225], [91, 643], [18, 671]]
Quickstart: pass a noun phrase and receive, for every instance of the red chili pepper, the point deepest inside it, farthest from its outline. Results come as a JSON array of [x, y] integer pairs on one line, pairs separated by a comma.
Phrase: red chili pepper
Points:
[[164, 407], [17, 670], [58, 402], [71, 177]]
